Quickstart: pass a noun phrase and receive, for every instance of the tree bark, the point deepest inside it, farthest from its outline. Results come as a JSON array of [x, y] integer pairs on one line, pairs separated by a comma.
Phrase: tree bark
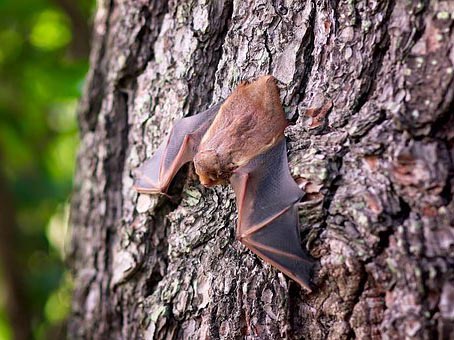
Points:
[[371, 86]]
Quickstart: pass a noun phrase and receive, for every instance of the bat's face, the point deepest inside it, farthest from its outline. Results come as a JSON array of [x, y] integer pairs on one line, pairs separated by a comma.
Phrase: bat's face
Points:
[[249, 122], [211, 171]]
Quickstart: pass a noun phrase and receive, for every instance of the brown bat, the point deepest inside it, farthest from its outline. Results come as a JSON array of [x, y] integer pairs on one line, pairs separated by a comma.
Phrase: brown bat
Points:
[[241, 141]]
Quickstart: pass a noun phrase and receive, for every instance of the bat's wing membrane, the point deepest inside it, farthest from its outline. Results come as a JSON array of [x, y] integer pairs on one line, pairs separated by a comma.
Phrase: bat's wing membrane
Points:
[[180, 146], [267, 215]]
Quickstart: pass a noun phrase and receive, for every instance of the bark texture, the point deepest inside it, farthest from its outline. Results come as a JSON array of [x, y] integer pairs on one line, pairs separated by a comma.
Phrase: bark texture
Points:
[[371, 86]]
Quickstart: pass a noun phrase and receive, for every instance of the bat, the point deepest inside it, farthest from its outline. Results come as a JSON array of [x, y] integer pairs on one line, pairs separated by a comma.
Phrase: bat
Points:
[[241, 141]]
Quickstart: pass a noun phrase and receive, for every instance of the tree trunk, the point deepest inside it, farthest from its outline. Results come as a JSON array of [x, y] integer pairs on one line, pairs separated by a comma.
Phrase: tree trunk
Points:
[[371, 83]]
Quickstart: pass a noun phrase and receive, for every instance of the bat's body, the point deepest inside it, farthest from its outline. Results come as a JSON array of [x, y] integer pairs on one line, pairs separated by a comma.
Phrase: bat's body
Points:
[[241, 141]]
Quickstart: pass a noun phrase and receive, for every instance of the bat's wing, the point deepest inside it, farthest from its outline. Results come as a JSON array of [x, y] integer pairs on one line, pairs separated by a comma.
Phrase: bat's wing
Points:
[[267, 215], [180, 146]]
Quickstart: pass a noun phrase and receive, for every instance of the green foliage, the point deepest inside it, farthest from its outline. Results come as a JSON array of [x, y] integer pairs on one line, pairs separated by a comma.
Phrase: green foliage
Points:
[[40, 83], [50, 30]]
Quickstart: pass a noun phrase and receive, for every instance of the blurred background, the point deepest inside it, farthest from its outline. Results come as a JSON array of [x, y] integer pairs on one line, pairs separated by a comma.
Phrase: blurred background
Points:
[[44, 47]]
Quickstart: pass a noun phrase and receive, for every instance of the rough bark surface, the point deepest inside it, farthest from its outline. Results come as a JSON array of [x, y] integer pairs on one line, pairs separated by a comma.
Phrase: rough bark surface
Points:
[[371, 86]]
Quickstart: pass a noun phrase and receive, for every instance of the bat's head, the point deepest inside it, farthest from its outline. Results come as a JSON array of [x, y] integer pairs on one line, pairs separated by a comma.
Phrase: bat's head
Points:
[[209, 168]]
